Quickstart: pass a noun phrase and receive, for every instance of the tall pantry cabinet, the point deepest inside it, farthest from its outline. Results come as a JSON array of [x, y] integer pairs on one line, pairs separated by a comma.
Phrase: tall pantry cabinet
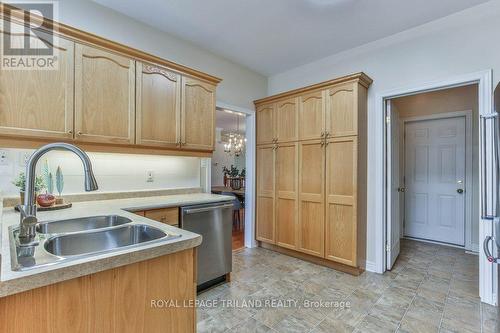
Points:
[[311, 172]]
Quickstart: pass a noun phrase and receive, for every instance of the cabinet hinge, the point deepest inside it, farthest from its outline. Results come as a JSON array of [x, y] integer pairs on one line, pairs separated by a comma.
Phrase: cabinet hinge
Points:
[[387, 248]]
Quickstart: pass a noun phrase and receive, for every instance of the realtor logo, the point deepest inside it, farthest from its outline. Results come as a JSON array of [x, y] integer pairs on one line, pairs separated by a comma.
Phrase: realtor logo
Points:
[[28, 39]]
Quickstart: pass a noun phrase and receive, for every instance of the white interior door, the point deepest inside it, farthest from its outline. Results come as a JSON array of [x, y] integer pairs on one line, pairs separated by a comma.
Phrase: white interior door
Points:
[[393, 179], [435, 180]]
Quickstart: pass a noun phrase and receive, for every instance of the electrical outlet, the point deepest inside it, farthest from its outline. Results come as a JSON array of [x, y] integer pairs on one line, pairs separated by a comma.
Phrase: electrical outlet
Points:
[[4, 158], [150, 176]]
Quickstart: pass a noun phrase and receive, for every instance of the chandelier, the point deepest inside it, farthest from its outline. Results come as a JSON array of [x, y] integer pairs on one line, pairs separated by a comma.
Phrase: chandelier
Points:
[[235, 140]]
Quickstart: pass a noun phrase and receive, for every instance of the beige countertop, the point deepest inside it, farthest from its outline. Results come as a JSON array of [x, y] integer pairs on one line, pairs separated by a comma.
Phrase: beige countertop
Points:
[[12, 282]]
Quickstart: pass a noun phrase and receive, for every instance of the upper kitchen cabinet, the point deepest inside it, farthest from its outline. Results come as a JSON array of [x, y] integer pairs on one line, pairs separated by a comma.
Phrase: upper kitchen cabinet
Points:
[[158, 106], [197, 115], [265, 124], [107, 97], [287, 120], [104, 96], [342, 110], [39, 102], [312, 115]]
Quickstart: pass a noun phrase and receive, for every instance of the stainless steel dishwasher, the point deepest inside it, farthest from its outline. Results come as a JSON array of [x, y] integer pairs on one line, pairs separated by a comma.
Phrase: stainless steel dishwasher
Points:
[[214, 222]]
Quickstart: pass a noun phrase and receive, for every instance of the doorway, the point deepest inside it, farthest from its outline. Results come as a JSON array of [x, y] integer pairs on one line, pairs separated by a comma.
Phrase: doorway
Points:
[[380, 204], [434, 168], [228, 170]]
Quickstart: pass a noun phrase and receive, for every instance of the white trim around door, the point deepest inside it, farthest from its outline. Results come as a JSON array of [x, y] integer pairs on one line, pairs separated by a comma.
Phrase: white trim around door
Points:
[[377, 158], [250, 171], [469, 214]]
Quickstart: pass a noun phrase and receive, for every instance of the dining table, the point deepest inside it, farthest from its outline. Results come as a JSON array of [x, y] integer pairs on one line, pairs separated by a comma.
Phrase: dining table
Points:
[[220, 189]]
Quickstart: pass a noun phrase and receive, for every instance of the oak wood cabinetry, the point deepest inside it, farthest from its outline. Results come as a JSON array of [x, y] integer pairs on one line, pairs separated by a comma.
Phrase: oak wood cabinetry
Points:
[[106, 97], [164, 215], [287, 120], [286, 194], [266, 129], [29, 107], [116, 300], [158, 106], [197, 115], [265, 189], [311, 197], [325, 153], [312, 115]]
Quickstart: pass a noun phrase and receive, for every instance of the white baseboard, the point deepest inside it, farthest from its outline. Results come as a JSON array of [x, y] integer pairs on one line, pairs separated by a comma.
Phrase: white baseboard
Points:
[[371, 266]]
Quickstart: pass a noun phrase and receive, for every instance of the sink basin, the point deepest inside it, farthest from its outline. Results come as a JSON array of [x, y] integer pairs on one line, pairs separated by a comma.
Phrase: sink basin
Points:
[[81, 224], [103, 240]]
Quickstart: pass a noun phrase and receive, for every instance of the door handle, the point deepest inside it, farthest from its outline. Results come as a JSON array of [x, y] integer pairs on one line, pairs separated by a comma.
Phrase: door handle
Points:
[[401, 189], [206, 209], [460, 191], [486, 249]]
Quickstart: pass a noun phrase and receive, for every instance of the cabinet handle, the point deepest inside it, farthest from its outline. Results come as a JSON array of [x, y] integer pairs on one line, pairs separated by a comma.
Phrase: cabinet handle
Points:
[[322, 134], [322, 143], [70, 132], [327, 134], [79, 133]]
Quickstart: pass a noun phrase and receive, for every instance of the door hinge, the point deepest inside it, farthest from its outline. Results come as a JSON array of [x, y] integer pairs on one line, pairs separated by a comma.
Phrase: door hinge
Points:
[[387, 248], [388, 120]]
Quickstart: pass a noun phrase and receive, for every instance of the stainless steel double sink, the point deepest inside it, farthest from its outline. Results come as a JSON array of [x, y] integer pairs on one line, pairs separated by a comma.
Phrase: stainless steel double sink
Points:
[[72, 239]]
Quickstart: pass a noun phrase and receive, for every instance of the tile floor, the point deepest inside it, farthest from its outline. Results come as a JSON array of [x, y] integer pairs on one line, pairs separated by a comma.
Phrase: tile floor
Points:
[[432, 288]]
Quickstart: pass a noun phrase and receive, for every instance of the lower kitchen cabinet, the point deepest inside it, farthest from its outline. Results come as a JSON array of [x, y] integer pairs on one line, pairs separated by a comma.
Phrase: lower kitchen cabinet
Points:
[[265, 203], [311, 198], [164, 215], [116, 300], [341, 204], [286, 194]]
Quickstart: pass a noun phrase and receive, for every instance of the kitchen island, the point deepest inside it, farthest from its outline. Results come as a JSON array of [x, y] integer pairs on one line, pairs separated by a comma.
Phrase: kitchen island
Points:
[[150, 287]]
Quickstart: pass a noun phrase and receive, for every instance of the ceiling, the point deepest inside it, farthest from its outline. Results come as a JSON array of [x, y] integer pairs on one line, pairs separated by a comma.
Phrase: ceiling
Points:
[[228, 121], [271, 36]]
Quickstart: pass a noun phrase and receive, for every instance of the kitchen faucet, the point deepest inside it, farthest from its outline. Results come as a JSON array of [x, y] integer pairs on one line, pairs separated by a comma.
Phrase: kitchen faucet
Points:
[[27, 230]]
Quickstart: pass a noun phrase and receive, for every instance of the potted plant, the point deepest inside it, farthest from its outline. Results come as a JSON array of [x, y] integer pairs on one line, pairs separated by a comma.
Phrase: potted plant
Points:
[[20, 182], [233, 175]]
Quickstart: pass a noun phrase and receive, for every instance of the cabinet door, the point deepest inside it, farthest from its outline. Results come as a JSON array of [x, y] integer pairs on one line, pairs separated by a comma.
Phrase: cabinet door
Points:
[[198, 115], [342, 110], [311, 198], [312, 115], [265, 216], [158, 106], [104, 96], [287, 174], [287, 120], [164, 215], [39, 103], [341, 226], [265, 124]]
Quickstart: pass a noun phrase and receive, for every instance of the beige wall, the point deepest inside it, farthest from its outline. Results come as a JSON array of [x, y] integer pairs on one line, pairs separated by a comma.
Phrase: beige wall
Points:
[[449, 100]]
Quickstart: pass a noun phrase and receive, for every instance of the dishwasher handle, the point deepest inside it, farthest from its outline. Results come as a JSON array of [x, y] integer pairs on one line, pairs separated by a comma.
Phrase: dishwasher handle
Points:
[[205, 209]]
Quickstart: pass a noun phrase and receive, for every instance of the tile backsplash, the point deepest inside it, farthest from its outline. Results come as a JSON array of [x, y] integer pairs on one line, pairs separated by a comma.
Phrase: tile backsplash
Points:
[[114, 172]]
